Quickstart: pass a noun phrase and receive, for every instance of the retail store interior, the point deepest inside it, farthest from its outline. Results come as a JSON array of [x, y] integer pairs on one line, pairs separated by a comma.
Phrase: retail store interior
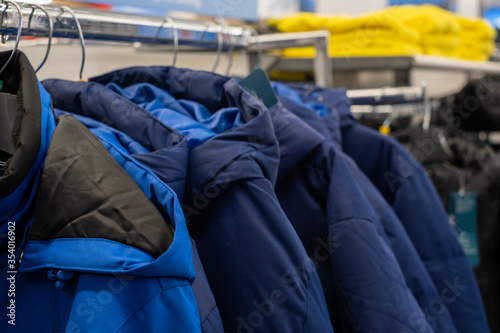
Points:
[[215, 166]]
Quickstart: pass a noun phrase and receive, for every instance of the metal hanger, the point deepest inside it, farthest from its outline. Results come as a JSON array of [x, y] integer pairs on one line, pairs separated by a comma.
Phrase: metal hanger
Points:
[[220, 42], [259, 45], [18, 36], [80, 35], [51, 30], [230, 51], [378, 98], [175, 33], [225, 30], [8, 101], [427, 107]]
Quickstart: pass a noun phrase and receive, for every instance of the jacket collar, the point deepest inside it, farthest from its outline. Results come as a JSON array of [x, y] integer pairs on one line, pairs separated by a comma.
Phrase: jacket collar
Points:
[[211, 90], [295, 137], [124, 234], [336, 99], [246, 152], [304, 99], [33, 124], [167, 147]]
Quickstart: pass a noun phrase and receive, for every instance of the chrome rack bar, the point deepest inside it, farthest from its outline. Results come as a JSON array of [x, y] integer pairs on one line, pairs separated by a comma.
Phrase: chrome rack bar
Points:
[[318, 39], [108, 26], [410, 93], [402, 109]]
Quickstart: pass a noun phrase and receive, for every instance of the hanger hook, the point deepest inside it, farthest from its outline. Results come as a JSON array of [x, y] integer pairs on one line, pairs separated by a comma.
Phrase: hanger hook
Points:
[[427, 107], [230, 51], [379, 97], [259, 45], [175, 33], [51, 31], [80, 34], [220, 42], [19, 32]]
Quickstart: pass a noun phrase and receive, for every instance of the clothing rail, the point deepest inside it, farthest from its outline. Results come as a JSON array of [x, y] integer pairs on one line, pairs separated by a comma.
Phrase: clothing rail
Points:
[[318, 39], [402, 109], [116, 27], [108, 26], [408, 93], [407, 100]]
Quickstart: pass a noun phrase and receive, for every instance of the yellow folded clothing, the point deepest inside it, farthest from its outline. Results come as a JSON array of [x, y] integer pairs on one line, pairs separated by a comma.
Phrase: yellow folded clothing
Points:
[[388, 41], [397, 30], [301, 22], [340, 24], [442, 52], [476, 29], [426, 19], [468, 52], [375, 50], [448, 41], [377, 21], [468, 55], [365, 36], [486, 48], [347, 50]]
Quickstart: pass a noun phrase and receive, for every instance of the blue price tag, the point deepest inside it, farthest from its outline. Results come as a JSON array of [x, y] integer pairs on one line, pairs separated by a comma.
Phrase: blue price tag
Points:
[[463, 211]]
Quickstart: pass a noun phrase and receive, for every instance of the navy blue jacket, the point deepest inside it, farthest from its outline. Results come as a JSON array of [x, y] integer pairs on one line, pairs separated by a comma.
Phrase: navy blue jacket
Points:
[[350, 315], [328, 209], [407, 188], [97, 256], [160, 148], [257, 267], [415, 273]]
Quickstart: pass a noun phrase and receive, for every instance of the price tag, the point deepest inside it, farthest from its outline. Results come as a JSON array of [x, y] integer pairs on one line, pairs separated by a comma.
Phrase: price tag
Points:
[[258, 84], [463, 210]]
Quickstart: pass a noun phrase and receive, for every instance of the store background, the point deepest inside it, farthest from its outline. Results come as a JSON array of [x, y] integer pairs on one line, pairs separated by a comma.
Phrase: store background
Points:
[[64, 61], [102, 58]]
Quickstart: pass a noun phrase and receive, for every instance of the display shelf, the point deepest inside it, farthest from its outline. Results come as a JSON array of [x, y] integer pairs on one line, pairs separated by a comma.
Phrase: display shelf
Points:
[[402, 65]]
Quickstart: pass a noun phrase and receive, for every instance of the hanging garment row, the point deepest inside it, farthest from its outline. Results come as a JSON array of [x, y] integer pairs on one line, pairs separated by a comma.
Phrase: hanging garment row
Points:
[[457, 149], [158, 198], [467, 164]]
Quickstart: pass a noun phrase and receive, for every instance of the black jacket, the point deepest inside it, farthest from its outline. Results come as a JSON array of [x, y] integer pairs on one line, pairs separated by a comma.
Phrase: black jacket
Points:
[[473, 167]]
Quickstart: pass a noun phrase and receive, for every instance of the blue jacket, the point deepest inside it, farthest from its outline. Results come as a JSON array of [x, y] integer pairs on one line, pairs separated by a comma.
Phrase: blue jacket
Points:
[[256, 265], [98, 255], [161, 149], [330, 212], [33, 132], [406, 187], [296, 200], [414, 271]]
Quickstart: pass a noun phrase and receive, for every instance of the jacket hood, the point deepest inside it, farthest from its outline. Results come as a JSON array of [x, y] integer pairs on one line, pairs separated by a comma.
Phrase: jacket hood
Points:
[[32, 130], [205, 88], [245, 148], [162, 148], [296, 138], [305, 101], [90, 216], [33, 123], [166, 156], [336, 100]]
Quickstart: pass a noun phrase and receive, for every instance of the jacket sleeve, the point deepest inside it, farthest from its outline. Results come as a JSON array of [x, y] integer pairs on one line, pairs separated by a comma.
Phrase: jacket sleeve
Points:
[[258, 269], [421, 211]]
